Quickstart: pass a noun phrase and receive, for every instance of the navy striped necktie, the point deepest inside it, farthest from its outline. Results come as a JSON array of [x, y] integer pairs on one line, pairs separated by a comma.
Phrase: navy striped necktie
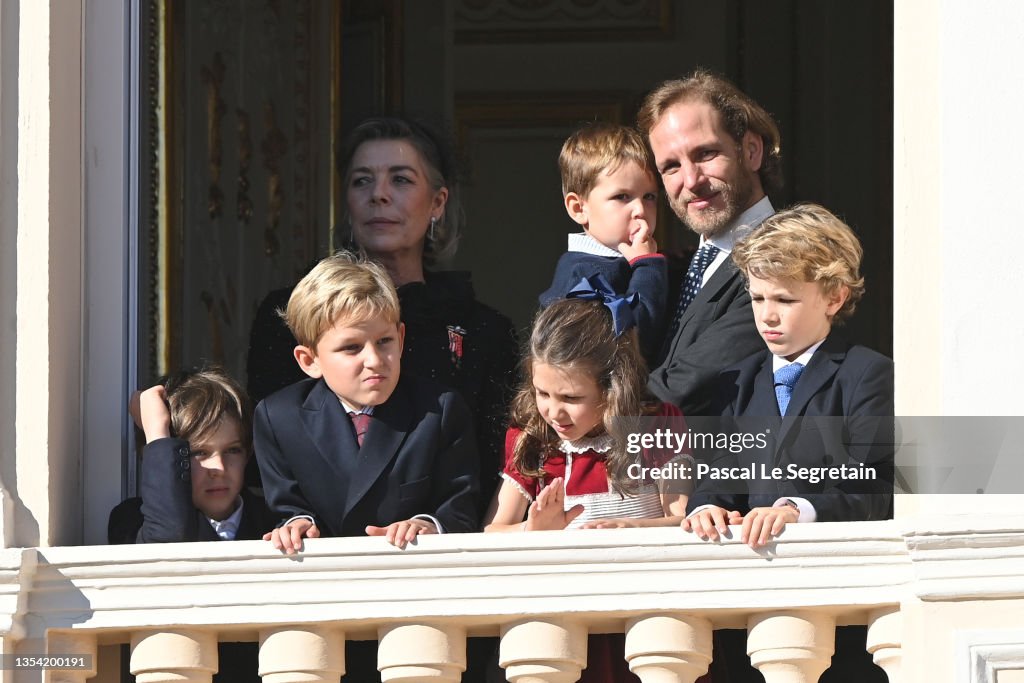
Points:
[[693, 282]]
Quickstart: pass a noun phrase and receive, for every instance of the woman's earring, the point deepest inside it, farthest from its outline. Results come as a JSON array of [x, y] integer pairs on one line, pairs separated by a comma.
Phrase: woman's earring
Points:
[[433, 222]]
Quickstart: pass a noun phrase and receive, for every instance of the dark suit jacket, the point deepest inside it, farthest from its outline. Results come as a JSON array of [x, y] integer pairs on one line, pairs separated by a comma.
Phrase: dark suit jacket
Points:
[[483, 370], [851, 384], [164, 513], [716, 330], [418, 457]]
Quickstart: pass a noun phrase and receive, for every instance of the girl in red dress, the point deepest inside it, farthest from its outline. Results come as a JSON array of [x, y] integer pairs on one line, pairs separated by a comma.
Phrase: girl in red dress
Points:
[[566, 457]]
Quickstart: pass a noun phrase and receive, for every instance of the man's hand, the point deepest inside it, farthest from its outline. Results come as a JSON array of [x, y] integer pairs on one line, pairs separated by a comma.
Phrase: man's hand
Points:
[[154, 416], [711, 523], [288, 538], [400, 534], [762, 524], [548, 510], [641, 241]]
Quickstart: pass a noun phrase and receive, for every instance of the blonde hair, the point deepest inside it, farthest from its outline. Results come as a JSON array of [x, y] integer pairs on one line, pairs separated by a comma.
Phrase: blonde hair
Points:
[[600, 148], [577, 334], [738, 111], [199, 401], [340, 287], [806, 242]]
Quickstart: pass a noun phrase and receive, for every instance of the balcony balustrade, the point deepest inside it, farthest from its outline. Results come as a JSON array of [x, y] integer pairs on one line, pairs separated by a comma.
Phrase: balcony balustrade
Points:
[[542, 593]]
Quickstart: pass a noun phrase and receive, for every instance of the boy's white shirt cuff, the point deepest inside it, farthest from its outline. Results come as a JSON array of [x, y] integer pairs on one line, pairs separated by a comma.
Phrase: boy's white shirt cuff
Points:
[[807, 512], [309, 517], [429, 518], [433, 520], [700, 508]]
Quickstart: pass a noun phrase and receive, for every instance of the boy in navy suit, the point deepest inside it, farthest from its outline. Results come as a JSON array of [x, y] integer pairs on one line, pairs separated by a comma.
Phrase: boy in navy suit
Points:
[[610, 189], [198, 429], [802, 267], [354, 449]]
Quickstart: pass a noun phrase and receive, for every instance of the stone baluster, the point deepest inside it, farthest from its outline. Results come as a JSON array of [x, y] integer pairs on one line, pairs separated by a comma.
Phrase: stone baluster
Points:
[[543, 651], [306, 654], [885, 641], [791, 647], [174, 656], [72, 645], [668, 649], [421, 653]]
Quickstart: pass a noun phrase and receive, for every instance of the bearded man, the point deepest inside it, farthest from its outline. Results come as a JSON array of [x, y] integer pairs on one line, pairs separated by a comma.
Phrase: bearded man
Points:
[[717, 152]]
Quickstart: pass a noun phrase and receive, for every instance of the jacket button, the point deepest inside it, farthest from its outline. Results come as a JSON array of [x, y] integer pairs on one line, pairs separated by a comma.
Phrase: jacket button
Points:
[[183, 451], [185, 465], [183, 476]]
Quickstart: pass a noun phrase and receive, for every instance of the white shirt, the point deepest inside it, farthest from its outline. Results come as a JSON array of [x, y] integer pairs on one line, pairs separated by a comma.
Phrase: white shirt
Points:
[[227, 529], [740, 228], [365, 410], [585, 243]]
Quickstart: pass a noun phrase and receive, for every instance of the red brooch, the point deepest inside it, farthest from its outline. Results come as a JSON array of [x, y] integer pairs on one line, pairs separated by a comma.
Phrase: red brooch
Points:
[[456, 338]]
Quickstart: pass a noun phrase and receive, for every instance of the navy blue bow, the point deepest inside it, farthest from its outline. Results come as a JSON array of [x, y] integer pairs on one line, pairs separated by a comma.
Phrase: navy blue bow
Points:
[[596, 288]]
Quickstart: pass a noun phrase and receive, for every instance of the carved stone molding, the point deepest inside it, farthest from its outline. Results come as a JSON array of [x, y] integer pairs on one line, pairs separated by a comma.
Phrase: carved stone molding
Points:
[[983, 655]]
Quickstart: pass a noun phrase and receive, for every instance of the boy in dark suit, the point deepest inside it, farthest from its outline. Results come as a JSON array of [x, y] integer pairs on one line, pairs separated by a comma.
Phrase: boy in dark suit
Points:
[[198, 429], [354, 449], [802, 268]]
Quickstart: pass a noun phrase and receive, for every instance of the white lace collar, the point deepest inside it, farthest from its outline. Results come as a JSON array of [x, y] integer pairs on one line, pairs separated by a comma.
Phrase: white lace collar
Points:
[[599, 444]]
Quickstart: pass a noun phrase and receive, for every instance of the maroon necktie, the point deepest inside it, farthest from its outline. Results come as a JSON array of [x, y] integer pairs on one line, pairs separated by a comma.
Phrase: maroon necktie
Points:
[[360, 422]]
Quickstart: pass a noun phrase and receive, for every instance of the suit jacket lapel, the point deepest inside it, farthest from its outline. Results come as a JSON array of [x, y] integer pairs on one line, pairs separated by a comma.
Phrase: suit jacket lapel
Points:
[[329, 427], [388, 428], [762, 394], [720, 279], [763, 409], [823, 366]]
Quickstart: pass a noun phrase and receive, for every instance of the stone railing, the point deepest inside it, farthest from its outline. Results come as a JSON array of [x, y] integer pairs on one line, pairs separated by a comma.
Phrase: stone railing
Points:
[[540, 592]]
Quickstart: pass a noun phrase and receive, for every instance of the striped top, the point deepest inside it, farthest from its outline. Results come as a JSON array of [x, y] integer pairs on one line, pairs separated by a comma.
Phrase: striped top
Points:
[[581, 463]]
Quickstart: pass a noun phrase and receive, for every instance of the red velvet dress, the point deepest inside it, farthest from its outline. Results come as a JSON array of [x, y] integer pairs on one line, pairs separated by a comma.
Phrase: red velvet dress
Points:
[[581, 464]]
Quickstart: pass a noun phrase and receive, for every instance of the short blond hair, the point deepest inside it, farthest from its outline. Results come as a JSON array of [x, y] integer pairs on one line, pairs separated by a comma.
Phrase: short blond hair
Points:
[[340, 287], [599, 148], [805, 242]]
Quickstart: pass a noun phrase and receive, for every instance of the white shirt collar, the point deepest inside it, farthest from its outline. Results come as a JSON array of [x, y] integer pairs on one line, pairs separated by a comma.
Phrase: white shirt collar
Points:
[[804, 358], [584, 242], [741, 227], [228, 528], [602, 443], [367, 410]]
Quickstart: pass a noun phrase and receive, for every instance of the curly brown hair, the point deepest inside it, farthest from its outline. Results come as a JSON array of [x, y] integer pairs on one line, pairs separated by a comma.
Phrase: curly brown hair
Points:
[[576, 334]]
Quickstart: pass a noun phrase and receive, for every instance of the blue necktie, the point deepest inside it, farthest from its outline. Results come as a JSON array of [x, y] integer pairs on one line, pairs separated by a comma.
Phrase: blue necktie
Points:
[[785, 380], [692, 283]]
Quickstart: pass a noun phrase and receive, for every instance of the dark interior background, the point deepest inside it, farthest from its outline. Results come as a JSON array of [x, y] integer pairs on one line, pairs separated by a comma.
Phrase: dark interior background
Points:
[[257, 95]]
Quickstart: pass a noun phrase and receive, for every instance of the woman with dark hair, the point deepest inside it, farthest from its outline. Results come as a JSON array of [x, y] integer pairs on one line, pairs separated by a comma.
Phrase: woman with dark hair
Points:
[[402, 210]]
